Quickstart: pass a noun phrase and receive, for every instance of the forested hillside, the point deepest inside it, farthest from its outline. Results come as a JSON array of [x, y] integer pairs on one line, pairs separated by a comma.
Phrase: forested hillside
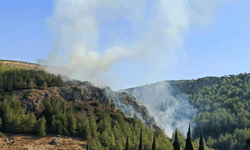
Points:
[[223, 115], [224, 112], [105, 129]]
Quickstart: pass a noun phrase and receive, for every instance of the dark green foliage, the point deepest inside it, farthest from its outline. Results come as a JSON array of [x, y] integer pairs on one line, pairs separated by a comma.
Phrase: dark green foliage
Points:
[[51, 107], [1, 123], [59, 126], [29, 123], [27, 94], [247, 143], [154, 145], [201, 142], [95, 104], [99, 113], [189, 145], [15, 79], [112, 105], [224, 111], [127, 145], [109, 131], [40, 126], [80, 107], [176, 143], [140, 144], [72, 127]]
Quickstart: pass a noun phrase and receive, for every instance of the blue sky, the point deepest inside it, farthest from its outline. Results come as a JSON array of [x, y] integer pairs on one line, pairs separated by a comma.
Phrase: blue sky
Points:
[[218, 48]]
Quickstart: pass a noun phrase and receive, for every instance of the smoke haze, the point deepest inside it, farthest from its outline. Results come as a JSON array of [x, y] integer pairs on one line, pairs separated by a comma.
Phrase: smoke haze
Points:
[[169, 111], [102, 40]]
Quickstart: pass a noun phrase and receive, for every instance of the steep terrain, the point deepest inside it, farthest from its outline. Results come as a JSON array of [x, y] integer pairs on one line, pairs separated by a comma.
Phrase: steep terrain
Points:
[[85, 91], [35, 102], [217, 105]]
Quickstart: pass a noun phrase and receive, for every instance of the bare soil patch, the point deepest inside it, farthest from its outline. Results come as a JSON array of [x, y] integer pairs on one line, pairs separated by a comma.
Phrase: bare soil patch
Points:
[[30, 142]]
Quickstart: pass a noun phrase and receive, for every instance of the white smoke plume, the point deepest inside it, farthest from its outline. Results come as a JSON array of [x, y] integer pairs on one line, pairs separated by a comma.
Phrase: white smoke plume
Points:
[[170, 112], [156, 33]]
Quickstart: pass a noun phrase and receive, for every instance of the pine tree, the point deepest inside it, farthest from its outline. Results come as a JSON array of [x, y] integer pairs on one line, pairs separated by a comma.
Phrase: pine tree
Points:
[[40, 126], [72, 124], [44, 85], [127, 144], [31, 84], [93, 126], [59, 126], [59, 81], [201, 143], [10, 85], [0, 123], [104, 139], [140, 144], [30, 122], [189, 145], [65, 124], [153, 145], [176, 143], [111, 139], [53, 124], [64, 108]]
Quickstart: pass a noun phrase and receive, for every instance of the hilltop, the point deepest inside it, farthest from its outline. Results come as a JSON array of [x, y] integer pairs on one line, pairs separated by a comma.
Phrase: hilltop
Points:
[[36, 102]]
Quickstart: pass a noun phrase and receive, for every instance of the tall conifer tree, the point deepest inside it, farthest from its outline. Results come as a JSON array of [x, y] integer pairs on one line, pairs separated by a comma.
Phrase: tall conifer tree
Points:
[[189, 145], [127, 145], [153, 145], [87, 147], [201, 143], [140, 144], [176, 143]]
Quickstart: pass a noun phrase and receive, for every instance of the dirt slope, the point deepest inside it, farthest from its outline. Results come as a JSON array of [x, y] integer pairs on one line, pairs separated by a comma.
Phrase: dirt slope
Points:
[[30, 142]]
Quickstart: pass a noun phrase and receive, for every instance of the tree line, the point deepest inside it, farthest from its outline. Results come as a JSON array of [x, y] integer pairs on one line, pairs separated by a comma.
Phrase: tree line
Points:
[[12, 78]]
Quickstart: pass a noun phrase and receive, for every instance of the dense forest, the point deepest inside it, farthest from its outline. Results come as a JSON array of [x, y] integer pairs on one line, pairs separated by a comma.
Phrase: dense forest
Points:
[[224, 112], [221, 108], [13, 78]]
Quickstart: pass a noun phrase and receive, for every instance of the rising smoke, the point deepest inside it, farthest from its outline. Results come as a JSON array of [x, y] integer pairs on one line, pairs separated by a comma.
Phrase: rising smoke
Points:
[[155, 33], [153, 37], [169, 111]]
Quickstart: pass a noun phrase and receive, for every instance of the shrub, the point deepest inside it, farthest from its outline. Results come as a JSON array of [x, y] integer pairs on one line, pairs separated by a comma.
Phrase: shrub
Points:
[[81, 107], [27, 94], [95, 104]]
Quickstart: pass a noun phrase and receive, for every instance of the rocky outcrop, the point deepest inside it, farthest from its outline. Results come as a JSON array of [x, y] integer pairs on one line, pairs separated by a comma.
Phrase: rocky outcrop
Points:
[[56, 141], [123, 101], [128, 104], [9, 142], [33, 99], [77, 91]]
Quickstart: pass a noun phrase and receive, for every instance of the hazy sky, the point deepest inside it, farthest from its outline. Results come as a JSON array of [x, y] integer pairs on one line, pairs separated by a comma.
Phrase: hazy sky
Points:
[[126, 44]]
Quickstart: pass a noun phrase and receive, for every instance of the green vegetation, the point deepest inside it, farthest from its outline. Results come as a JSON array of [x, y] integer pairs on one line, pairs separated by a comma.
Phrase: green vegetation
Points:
[[109, 130], [12, 78], [95, 104], [189, 145], [80, 107], [224, 116], [224, 112]]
